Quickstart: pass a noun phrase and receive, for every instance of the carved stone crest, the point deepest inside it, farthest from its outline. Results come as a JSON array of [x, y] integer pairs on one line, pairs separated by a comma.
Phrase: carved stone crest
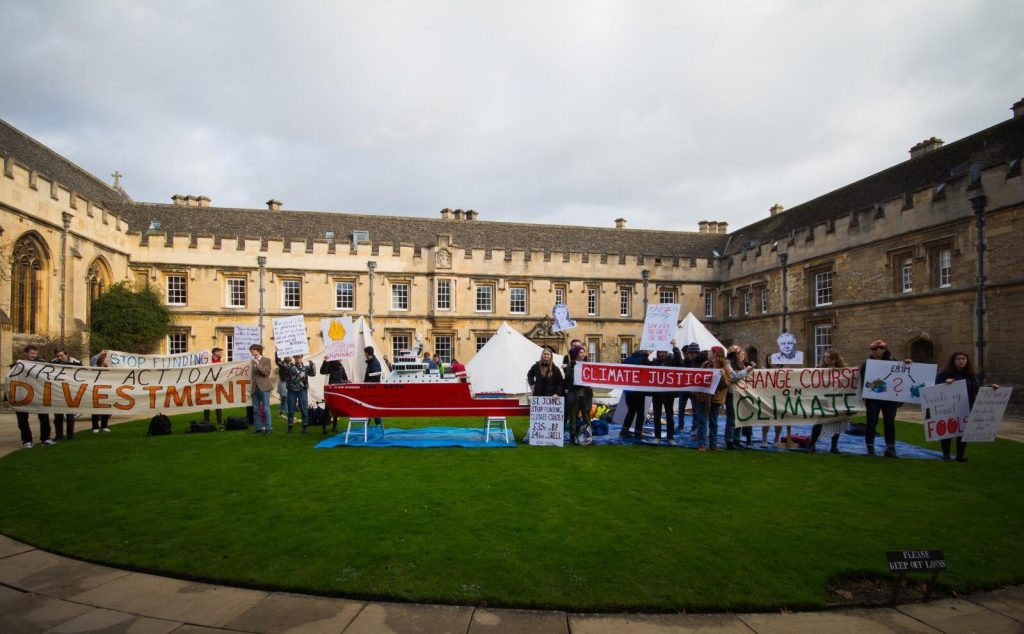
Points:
[[443, 259]]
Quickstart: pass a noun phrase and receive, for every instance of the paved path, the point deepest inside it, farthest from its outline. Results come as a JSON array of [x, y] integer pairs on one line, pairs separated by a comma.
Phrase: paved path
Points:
[[43, 592]]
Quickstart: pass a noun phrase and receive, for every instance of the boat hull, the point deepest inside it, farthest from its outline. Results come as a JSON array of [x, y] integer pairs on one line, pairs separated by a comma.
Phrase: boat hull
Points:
[[416, 400]]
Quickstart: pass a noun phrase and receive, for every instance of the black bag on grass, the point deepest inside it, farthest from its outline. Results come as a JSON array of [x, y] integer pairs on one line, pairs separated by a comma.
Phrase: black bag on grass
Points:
[[201, 428], [236, 422], [160, 425]]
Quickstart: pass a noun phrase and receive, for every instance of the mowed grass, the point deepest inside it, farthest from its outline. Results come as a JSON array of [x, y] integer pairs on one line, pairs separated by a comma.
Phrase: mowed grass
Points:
[[595, 528]]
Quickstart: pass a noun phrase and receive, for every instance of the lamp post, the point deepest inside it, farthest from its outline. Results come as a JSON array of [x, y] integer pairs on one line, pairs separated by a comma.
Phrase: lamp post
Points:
[[783, 261], [371, 266], [646, 275], [261, 260], [66, 217], [978, 204]]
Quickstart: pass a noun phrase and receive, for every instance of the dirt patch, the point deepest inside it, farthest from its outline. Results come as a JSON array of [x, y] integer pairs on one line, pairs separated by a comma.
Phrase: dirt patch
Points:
[[877, 591]]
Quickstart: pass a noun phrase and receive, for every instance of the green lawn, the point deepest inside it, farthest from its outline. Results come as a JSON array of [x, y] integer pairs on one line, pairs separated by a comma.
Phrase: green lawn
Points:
[[595, 528]]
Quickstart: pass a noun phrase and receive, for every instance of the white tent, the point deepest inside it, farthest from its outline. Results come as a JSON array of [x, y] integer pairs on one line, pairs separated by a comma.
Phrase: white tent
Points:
[[691, 330], [501, 365]]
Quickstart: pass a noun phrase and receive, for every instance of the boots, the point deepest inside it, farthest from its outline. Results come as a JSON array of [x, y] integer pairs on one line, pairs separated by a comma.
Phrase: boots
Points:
[[890, 451], [871, 450], [835, 445]]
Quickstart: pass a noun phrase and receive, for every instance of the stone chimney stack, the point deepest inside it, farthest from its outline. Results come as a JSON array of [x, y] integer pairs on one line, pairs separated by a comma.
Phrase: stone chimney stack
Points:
[[703, 226], [446, 214], [203, 201], [178, 200], [924, 147], [471, 214], [457, 214], [620, 223], [723, 227], [776, 209], [274, 204], [191, 201], [1018, 109]]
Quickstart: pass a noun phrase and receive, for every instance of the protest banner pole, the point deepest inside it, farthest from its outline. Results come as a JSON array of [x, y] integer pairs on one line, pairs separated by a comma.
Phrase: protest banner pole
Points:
[[261, 260]]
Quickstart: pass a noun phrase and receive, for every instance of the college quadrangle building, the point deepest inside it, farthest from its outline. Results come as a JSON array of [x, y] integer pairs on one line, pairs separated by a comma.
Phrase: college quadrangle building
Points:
[[894, 255]]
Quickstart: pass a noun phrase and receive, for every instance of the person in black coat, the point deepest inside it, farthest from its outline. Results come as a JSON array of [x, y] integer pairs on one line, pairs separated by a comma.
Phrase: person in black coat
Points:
[[373, 372], [635, 401], [873, 406], [544, 377], [64, 423], [663, 400], [336, 374], [578, 398], [958, 368]]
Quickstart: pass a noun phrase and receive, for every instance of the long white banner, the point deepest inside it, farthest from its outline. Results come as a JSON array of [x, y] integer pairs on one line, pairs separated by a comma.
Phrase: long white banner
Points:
[[33, 386], [797, 396]]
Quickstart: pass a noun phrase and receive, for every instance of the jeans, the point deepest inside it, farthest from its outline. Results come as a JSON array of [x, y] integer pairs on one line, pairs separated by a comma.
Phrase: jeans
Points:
[[261, 409], [300, 398], [663, 401], [706, 420], [683, 398], [888, 411]]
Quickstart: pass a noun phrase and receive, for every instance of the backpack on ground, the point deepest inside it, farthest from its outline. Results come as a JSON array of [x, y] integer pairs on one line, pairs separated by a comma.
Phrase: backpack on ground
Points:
[[236, 422], [160, 425], [201, 428]]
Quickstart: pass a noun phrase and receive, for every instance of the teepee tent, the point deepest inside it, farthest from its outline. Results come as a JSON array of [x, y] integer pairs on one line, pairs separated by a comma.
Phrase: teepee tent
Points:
[[355, 368], [691, 330], [501, 365]]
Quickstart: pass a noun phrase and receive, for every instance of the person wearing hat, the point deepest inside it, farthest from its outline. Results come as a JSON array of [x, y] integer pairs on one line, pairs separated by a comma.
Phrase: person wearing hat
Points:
[[635, 401], [663, 400], [879, 351], [692, 358]]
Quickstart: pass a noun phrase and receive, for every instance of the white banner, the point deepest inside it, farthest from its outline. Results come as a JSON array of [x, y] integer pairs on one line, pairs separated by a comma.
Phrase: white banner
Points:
[[244, 337], [547, 418], [946, 410], [37, 387], [290, 336], [987, 414], [797, 396], [157, 361], [659, 327], [897, 381], [339, 338]]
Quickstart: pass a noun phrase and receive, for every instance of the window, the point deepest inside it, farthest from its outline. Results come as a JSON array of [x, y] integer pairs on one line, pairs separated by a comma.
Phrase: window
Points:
[[400, 296], [344, 295], [236, 292], [709, 304], [593, 346], [291, 294], [823, 288], [177, 294], [764, 300], [484, 298], [177, 343], [591, 300], [481, 342], [906, 274], [945, 266], [624, 297], [399, 345], [517, 300], [444, 294], [667, 296], [229, 348], [560, 294], [443, 347], [822, 341], [730, 306], [748, 299], [625, 348]]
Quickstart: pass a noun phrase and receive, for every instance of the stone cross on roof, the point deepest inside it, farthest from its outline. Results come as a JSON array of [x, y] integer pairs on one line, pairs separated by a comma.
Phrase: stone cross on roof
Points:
[[117, 179]]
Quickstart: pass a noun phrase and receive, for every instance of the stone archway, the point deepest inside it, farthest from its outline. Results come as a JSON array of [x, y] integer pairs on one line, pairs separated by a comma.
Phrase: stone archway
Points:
[[922, 350]]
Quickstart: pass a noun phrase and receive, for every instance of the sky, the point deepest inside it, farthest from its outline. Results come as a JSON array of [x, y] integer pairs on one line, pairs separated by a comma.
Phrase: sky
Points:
[[662, 113]]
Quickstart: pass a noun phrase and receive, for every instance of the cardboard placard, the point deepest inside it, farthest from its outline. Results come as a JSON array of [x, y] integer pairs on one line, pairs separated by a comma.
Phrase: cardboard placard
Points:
[[547, 420], [987, 414], [659, 327], [897, 381], [244, 336], [339, 338], [946, 410], [290, 336]]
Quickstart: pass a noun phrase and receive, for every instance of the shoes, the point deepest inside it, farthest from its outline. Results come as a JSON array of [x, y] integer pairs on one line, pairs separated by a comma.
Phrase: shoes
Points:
[[701, 449], [49, 442], [27, 445], [258, 430], [764, 444], [106, 429], [890, 452], [266, 432], [835, 450], [946, 458], [716, 449], [96, 431], [959, 459], [871, 450], [289, 429], [672, 442]]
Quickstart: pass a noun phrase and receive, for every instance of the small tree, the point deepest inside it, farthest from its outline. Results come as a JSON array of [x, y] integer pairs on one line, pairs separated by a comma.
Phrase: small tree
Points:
[[127, 319]]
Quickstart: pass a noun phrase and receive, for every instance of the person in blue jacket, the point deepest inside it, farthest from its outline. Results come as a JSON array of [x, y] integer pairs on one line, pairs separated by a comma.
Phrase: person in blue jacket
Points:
[[635, 401]]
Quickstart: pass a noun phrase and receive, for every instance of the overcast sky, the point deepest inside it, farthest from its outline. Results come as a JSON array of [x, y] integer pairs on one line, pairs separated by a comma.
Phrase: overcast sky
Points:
[[664, 113]]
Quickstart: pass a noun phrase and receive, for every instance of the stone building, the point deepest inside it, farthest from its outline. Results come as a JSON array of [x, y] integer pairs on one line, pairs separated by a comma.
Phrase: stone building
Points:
[[893, 255]]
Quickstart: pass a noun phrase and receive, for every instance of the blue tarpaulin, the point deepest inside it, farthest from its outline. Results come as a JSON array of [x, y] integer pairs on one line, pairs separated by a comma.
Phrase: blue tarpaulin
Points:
[[424, 437]]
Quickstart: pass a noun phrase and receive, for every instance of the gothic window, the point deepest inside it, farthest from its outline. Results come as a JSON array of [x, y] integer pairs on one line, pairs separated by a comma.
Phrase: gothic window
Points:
[[27, 277], [98, 279]]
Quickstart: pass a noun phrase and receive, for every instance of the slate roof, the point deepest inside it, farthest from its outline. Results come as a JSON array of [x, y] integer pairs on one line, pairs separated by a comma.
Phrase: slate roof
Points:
[[35, 156], [1000, 143]]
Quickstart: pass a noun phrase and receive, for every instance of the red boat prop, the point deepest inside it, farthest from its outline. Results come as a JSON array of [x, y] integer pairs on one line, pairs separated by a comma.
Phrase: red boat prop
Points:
[[433, 399]]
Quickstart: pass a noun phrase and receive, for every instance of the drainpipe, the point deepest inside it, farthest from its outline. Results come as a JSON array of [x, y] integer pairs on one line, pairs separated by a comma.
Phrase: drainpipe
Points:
[[261, 260], [66, 217], [978, 203], [646, 275], [372, 266], [783, 261]]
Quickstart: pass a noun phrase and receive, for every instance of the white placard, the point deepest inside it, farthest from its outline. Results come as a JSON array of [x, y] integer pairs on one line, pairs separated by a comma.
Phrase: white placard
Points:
[[987, 414], [157, 361], [547, 420], [290, 336], [946, 410], [339, 338], [897, 381], [659, 327], [244, 337]]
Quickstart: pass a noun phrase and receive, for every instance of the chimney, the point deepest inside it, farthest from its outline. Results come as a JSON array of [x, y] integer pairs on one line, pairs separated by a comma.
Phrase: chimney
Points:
[[776, 209], [1018, 109], [471, 214], [620, 223], [458, 214], [723, 227], [203, 201], [703, 226], [446, 214], [924, 147], [274, 204], [178, 199], [190, 201]]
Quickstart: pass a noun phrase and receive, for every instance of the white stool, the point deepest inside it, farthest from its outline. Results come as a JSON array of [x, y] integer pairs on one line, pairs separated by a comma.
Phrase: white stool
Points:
[[365, 422], [496, 421]]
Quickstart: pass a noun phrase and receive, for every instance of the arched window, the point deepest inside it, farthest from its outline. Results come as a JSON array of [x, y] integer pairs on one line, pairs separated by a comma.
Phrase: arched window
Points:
[[28, 266], [99, 281]]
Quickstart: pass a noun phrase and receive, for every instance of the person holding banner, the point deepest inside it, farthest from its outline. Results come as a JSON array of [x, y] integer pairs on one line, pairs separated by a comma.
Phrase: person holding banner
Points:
[[578, 398], [692, 358], [958, 368], [262, 383], [64, 423], [707, 407], [829, 359], [879, 352], [738, 369], [31, 353], [664, 400], [100, 421], [216, 356], [635, 401]]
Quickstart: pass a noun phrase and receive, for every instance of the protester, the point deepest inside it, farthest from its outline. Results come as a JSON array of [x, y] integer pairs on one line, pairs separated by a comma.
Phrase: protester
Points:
[[544, 377], [958, 368], [429, 360], [31, 353], [708, 405], [459, 370], [100, 422], [64, 424], [778, 428], [262, 383], [635, 401], [692, 358], [829, 359], [873, 406], [373, 373], [216, 356], [578, 398], [282, 387], [664, 400], [296, 375], [738, 369], [335, 371]]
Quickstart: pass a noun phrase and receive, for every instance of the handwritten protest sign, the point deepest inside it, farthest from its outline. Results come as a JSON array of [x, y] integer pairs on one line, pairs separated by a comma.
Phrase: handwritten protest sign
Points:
[[157, 361], [546, 420], [46, 387], [647, 378], [339, 338], [290, 336], [897, 381], [659, 327], [797, 396], [946, 410], [987, 414], [244, 337]]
